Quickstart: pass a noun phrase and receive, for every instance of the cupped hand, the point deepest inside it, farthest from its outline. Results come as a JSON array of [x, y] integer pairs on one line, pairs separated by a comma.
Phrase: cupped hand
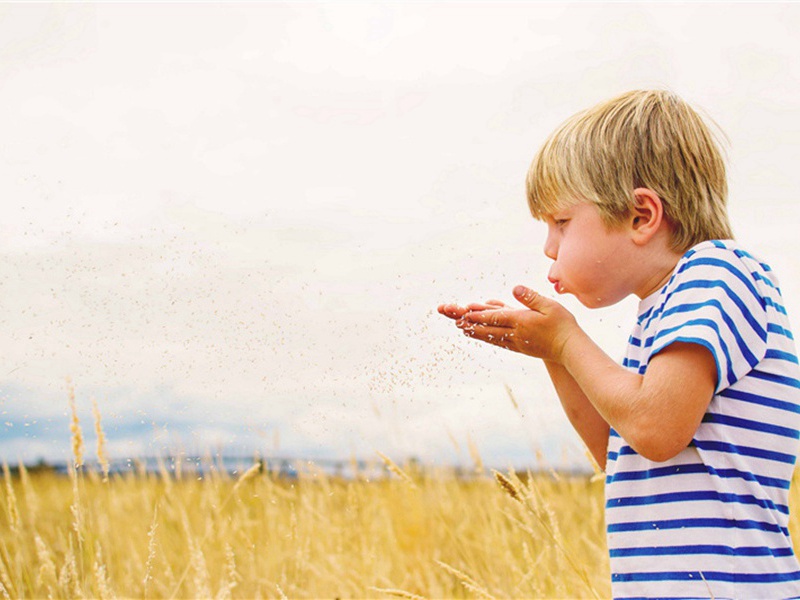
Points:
[[454, 311], [541, 329]]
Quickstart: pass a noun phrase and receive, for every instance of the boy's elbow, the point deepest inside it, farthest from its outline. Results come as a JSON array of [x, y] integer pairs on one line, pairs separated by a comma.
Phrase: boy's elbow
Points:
[[660, 445], [660, 453]]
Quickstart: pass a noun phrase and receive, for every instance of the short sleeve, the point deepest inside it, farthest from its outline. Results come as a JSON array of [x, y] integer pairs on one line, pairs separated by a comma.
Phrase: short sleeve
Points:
[[714, 300]]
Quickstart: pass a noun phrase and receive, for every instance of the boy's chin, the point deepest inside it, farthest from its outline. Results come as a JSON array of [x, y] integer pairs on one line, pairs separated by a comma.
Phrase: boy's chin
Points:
[[590, 301]]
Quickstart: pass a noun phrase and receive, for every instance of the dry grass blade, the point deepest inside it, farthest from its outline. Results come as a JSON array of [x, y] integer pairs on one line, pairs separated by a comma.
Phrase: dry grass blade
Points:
[[75, 427], [151, 551], [507, 486], [708, 587], [249, 474], [511, 396], [467, 581], [547, 524], [476, 455], [11, 500], [102, 455], [395, 469], [6, 586], [397, 593], [47, 569], [197, 556], [101, 578]]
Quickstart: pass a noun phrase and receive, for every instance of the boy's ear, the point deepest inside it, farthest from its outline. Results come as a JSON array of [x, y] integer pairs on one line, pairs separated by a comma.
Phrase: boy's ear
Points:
[[647, 215]]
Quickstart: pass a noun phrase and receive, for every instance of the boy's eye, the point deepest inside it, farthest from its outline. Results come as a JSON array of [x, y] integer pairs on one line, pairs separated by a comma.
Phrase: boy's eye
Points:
[[561, 222]]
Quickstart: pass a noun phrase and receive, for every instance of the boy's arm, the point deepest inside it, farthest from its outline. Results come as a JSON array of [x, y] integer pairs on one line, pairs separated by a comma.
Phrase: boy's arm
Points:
[[656, 413], [584, 418]]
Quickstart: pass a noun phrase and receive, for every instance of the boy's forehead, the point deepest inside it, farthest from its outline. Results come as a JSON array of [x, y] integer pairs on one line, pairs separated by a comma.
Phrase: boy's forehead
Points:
[[563, 204], [569, 210]]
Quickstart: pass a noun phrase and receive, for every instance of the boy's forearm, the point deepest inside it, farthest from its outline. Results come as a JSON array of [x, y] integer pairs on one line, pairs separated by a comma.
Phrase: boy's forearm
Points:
[[588, 423], [657, 416], [608, 387]]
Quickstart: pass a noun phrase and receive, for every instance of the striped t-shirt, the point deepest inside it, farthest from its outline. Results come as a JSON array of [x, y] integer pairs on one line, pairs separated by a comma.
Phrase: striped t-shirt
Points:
[[713, 520]]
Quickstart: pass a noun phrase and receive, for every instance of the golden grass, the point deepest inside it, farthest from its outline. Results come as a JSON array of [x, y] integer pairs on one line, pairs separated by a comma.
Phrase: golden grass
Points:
[[423, 534], [411, 533]]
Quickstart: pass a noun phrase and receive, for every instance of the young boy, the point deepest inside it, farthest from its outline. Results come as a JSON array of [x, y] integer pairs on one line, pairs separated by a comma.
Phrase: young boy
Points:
[[697, 430]]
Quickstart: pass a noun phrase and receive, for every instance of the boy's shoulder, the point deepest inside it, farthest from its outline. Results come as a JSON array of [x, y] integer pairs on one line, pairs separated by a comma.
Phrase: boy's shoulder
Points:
[[724, 259], [719, 274]]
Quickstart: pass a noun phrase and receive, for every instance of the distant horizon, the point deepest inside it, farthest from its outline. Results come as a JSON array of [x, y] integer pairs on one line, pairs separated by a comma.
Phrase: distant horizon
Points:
[[126, 446]]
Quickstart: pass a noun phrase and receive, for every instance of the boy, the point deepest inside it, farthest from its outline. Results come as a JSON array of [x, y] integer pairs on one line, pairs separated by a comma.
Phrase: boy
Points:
[[697, 430]]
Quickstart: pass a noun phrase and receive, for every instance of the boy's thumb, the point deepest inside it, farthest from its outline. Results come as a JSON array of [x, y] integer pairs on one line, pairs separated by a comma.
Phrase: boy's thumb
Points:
[[529, 297]]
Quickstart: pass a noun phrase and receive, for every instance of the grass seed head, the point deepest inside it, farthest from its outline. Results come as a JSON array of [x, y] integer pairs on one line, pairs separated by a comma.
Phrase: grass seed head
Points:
[[75, 428], [102, 455]]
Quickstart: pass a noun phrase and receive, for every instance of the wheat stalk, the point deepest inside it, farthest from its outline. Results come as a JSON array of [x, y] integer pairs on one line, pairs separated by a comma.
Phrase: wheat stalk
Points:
[[31, 500], [102, 456], [165, 474], [397, 593], [555, 535], [47, 569], [396, 470], [151, 551], [198, 555], [6, 586], [75, 507], [249, 474], [75, 428], [231, 578], [197, 563], [476, 455], [507, 486], [101, 577], [11, 501], [68, 577], [467, 581]]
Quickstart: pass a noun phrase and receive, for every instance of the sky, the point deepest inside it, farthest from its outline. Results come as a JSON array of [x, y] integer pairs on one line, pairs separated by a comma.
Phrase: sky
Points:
[[229, 226]]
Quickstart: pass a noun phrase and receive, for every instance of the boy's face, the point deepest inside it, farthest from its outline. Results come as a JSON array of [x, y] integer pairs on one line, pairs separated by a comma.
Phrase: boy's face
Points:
[[592, 262]]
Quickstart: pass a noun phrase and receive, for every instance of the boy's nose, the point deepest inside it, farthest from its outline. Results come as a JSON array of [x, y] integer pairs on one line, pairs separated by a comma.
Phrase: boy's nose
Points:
[[550, 249]]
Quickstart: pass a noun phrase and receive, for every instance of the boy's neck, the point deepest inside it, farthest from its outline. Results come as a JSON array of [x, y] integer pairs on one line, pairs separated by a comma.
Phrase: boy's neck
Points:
[[658, 263]]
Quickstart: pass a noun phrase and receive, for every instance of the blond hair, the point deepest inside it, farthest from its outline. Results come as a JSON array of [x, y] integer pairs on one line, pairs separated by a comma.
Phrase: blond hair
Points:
[[641, 139]]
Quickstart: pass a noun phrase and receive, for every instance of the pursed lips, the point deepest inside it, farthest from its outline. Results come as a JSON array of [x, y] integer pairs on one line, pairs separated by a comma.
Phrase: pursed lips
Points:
[[556, 284]]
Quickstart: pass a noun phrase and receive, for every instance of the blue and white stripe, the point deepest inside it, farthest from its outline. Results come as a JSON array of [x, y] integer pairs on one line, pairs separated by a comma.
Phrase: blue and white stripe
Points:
[[713, 521]]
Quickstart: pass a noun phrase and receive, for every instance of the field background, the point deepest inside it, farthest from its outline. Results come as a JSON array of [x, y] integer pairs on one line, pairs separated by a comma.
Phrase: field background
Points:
[[412, 532]]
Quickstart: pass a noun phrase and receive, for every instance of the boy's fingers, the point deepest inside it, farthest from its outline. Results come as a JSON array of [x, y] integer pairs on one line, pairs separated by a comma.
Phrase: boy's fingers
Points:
[[529, 298], [482, 306], [499, 336], [495, 318], [454, 311]]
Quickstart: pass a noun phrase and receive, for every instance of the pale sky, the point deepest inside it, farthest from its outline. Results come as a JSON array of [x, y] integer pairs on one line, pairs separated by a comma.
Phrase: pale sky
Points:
[[230, 225]]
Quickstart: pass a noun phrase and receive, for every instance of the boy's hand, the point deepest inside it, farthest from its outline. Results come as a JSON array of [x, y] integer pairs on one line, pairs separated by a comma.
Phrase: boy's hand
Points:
[[454, 311], [541, 330]]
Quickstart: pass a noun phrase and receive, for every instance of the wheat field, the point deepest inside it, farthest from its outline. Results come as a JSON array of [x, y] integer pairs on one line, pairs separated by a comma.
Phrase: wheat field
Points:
[[395, 531], [414, 533]]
